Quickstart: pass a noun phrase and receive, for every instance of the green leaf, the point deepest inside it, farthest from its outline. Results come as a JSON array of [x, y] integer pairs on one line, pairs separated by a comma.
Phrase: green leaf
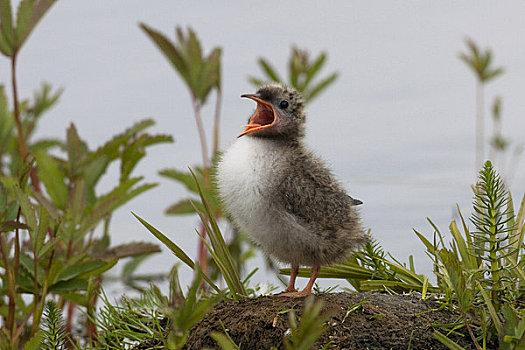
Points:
[[44, 145], [184, 206], [54, 179], [131, 249], [85, 269], [168, 50], [135, 150], [131, 266], [492, 310], [179, 253], [76, 203], [6, 25], [35, 341], [430, 247], [457, 279], [447, 341], [220, 251], [256, 81], [317, 89], [28, 264], [23, 17], [209, 75], [3, 200], [49, 245], [28, 210], [93, 171], [269, 70], [39, 236], [5, 47], [39, 9], [224, 342], [69, 285], [466, 256], [50, 207], [101, 210], [314, 68], [184, 178], [77, 298], [76, 149], [335, 271]]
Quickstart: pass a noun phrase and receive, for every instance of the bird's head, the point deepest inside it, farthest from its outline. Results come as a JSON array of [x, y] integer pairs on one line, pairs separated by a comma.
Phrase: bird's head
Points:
[[279, 113]]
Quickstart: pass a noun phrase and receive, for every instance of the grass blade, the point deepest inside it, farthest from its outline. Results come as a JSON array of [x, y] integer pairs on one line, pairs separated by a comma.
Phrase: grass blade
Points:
[[447, 341], [175, 249]]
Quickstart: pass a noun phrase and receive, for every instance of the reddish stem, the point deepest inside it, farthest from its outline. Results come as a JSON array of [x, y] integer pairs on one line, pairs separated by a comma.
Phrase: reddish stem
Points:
[[202, 134], [203, 254], [216, 123], [21, 140], [70, 310], [10, 289], [16, 267]]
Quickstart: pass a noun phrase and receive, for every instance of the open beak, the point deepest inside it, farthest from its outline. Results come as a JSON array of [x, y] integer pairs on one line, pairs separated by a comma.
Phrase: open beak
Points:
[[263, 117]]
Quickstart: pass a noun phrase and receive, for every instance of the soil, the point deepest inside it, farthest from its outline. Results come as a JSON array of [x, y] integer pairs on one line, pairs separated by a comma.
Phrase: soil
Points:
[[383, 322]]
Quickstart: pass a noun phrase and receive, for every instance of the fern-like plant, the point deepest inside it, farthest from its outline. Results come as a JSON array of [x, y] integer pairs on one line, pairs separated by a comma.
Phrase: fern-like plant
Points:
[[494, 237], [54, 335]]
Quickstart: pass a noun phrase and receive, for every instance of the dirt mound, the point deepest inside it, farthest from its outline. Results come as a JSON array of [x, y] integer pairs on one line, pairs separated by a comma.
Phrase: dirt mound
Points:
[[383, 322]]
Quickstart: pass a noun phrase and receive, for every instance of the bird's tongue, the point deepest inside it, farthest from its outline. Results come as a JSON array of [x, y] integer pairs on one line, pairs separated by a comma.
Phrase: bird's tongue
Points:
[[263, 117]]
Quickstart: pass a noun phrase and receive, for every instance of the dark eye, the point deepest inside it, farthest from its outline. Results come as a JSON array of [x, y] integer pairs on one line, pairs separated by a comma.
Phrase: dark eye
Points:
[[283, 104]]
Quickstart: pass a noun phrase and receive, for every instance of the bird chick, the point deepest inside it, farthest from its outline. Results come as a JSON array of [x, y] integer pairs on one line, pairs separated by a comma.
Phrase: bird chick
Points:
[[284, 196]]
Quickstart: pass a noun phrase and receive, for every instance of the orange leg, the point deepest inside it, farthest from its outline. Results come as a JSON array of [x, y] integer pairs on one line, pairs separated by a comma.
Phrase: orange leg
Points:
[[308, 289], [291, 283]]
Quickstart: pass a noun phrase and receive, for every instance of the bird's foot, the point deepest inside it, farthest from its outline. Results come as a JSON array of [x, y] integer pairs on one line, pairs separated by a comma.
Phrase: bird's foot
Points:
[[296, 294], [288, 290]]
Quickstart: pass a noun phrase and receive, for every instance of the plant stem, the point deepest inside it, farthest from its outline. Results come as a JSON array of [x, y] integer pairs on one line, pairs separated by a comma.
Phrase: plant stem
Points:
[[480, 127], [203, 255], [16, 267], [493, 255], [472, 336], [34, 328], [21, 140], [216, 123], [202, 134], [10, 289]]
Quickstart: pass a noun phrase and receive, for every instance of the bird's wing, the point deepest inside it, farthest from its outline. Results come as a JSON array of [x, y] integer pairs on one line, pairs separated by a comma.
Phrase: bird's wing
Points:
[[312, 196]]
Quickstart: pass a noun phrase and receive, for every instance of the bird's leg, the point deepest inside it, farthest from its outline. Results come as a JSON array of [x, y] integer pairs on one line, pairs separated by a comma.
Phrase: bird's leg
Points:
[[313, 276], [291, 284], [308, 289]]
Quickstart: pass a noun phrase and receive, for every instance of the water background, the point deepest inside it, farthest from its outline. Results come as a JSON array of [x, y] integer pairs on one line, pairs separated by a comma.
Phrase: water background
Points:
[[397, 127]]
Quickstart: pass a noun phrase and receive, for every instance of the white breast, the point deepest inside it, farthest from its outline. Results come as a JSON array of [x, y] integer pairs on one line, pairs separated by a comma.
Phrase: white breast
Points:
[[246, 176]]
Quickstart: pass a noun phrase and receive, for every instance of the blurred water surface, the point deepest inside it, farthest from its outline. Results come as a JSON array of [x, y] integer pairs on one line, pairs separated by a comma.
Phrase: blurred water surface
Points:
[[396, 127]]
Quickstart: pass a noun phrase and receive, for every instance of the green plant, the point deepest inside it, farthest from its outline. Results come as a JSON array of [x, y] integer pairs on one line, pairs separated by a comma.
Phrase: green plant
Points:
[[301, 73], [480, 274], [154, 320], [202, 76], [50, 210], [374, 269], [224, 340], [311, 326], [217, 247], [54, 331], [480, 62]]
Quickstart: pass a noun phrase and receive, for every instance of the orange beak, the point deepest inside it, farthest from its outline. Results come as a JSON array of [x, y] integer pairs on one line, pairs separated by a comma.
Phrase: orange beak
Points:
[[263, 117]]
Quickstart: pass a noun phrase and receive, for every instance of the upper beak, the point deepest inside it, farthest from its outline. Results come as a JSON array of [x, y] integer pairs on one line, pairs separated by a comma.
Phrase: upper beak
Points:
[[263, 117]]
